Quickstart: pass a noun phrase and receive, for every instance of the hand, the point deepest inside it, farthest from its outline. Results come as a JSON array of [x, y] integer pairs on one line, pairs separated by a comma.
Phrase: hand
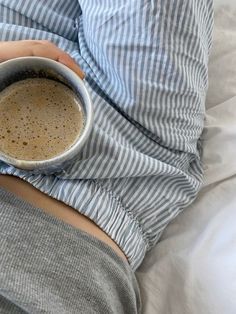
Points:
[[37, 48]]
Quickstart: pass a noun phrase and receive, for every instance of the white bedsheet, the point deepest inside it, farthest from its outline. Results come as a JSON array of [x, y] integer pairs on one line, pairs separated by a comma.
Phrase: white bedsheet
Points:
[[193, 269]]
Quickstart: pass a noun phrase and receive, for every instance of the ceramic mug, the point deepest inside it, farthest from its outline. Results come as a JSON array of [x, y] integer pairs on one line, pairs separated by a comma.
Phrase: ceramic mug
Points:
[[22, 68]]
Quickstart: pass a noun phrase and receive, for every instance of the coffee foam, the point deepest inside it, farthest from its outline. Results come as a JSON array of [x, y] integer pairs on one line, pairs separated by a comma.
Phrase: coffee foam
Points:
[[39, 119]]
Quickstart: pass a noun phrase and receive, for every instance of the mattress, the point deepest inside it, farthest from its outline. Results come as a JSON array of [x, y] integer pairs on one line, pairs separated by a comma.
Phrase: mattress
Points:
[[193, 268]]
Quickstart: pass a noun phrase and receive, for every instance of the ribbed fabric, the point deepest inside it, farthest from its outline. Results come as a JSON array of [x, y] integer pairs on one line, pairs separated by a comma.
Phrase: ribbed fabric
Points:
[[146, 70], [48, 266]]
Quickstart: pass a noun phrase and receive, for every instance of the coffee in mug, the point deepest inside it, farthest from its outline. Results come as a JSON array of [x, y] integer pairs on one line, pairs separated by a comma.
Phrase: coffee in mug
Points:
[[40, 118]]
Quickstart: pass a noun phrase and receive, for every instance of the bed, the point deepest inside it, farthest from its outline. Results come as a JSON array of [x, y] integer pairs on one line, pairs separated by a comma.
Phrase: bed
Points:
[[193, 268]]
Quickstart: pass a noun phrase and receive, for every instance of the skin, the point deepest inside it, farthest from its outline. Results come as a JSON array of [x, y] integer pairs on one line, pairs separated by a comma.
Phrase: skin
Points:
[[42, 48]]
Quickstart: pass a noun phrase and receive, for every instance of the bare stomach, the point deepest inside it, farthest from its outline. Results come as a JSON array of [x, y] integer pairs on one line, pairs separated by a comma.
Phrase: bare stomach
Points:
[[56, 208]]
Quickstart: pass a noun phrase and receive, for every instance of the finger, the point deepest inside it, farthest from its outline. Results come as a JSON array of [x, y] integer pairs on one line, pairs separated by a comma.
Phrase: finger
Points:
[[65, 59], [14, 49], [43, 48], [68, 61], [49, 50]]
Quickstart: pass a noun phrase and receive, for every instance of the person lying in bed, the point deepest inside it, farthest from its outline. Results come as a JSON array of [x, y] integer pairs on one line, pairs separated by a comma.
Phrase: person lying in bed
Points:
[[71, 242]]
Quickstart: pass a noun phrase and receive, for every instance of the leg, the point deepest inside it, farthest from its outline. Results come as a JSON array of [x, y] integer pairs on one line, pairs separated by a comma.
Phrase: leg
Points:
[[54, 21], [150, 58], [146, 65]]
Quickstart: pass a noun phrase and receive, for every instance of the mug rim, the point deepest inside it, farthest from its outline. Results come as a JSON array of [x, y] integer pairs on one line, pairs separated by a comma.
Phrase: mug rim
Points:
[[81, 139]]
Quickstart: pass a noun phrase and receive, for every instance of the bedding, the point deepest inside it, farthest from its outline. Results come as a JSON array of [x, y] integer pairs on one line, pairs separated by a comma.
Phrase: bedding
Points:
[[193, 268]]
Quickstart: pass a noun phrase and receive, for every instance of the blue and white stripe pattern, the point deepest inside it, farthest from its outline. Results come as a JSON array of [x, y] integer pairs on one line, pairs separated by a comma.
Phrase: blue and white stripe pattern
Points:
[[146, 69]]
